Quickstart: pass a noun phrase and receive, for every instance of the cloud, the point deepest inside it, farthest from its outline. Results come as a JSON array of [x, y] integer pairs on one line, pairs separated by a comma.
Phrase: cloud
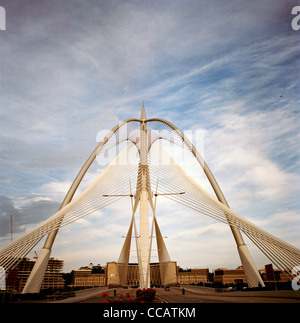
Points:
[[245, 153], [55, 191], [31, 213], [69, 70]]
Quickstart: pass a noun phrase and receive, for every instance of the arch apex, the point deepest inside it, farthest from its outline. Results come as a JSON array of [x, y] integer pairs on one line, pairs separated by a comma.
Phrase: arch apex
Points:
[[143, 113]]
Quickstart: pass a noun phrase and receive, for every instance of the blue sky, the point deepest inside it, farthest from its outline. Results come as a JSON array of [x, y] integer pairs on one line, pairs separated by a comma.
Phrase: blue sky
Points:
[[230, 70]]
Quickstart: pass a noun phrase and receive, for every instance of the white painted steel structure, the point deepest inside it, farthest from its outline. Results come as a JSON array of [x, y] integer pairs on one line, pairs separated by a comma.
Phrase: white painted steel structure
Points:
[[168, 180]]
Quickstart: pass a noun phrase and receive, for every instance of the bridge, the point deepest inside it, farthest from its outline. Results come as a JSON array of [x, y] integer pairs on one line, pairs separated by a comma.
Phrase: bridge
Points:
[[142, 172]]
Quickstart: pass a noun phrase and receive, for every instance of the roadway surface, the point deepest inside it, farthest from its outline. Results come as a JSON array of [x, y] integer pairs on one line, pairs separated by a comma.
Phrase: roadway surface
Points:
[[198, 295], [193, 294]]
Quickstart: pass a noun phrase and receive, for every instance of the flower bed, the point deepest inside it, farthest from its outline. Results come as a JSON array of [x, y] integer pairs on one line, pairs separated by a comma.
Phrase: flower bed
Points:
[[120, 299], [142, 296], [145, 295]]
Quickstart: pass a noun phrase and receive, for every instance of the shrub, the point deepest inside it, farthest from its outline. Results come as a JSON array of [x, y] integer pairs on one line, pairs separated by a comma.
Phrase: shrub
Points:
[[142, 296], [145, 295], [120, 299]]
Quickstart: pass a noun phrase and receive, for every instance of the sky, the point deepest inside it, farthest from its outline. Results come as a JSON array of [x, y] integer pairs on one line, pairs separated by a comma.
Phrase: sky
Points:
[[228, 70]]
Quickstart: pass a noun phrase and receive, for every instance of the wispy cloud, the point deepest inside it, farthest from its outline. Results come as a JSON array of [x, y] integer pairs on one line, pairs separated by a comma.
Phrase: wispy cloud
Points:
[[69, 70]]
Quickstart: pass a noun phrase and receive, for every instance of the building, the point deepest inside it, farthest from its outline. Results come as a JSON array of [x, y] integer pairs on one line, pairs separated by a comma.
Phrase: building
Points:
[[157, 271], [85, 278], [193, 276], [52, 279], [279, 276], [88, 276], [230, 276], [133, 274]]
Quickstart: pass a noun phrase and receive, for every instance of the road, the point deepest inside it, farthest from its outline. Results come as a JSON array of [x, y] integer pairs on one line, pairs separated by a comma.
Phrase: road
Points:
[[85, 295], [193, 294]]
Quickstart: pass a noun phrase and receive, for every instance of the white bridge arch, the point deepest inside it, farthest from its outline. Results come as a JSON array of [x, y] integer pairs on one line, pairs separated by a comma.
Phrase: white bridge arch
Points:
[[113, 183]]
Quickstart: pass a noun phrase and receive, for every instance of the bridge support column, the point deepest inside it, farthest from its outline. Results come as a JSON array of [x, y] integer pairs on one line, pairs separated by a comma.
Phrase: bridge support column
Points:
[[251, 272], [252, 275], [144, 265]]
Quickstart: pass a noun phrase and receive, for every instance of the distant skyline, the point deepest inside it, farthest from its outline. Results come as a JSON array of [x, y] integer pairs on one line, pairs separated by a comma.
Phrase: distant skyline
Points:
[[226, 70]]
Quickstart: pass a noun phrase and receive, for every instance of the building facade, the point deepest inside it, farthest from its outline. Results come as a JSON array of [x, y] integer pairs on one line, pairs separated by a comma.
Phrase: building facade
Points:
[[194, 276], [85, 278], [52, 280], [279, 276], [230, 276], [113, 270]]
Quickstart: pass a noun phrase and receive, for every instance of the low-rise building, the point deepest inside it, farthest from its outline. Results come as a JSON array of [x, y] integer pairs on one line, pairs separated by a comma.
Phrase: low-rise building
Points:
[[230, 276], [193, 276], [85, 278], [114, 270], [279, 276]]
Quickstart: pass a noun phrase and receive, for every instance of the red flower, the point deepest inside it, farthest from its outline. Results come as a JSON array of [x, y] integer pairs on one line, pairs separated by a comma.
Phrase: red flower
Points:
[[104, 294], [146, 295]]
